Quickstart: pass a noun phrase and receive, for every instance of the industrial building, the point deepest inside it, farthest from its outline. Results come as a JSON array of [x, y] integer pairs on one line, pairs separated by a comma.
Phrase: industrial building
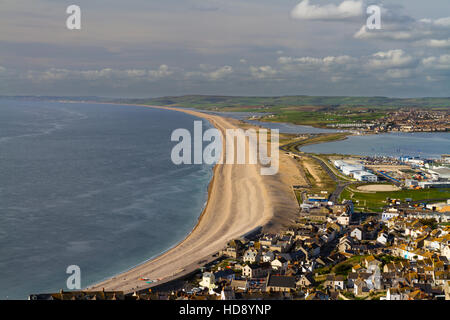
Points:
[[356, 170], [440, 173]]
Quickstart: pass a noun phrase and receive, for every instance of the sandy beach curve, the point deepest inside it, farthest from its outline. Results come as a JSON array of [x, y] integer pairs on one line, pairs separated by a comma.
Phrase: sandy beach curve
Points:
[[240, 199]]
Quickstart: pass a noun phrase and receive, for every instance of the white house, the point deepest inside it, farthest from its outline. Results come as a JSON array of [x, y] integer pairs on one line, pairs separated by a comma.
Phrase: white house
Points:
[[357, 233], [344, 219], [279, 264], [208, 281], [383, 238], [393, 294], [268, 256], [252, 256], [391, 213]]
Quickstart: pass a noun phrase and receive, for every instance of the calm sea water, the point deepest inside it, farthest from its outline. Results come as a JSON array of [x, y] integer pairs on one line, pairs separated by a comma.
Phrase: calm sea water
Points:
[[426, 145], [283, 127], [89, 185]]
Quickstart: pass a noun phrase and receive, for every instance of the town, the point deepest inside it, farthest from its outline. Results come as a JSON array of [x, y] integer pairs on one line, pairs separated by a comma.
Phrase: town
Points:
[[402, 120]]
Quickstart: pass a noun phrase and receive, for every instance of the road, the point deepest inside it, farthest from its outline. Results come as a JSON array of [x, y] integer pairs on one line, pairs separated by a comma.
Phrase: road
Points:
[[341, 184]]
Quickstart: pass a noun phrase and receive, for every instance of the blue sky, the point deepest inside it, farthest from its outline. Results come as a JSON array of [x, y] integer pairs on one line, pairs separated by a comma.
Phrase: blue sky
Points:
[[148, 48]]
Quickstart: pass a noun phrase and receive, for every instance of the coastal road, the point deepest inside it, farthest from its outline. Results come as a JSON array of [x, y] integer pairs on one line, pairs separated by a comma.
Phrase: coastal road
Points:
[[341, 184]]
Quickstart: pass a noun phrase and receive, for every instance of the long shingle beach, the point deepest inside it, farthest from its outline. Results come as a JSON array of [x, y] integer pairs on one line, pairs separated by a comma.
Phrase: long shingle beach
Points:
[[240, 199]]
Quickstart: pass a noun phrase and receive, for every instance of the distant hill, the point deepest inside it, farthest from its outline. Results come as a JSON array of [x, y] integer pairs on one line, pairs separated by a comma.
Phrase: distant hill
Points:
[[211, 102]]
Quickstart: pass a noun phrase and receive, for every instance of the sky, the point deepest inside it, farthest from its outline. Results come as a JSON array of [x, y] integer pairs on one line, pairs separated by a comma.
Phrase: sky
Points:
[[153, 48]]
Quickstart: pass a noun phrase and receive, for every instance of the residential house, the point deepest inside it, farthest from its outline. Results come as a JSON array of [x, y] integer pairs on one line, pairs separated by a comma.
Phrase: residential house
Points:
[[308, 265], [280, 283], [335, 282], [252, 256], [383, 238], [241, 285], [233, 249], [306, 280], [208, 281], [268, 256], [353, 277], [268, 239], [226, 274], [344, 219], [360, 287], [280, 264], [256, 270], [345, 244], [446, 251], [371, 263], [357, 233], [394, 294], [310, 251]]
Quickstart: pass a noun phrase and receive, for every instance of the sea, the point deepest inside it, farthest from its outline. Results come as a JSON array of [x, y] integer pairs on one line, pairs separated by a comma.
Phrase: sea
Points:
[[90, 185], [418, 144]]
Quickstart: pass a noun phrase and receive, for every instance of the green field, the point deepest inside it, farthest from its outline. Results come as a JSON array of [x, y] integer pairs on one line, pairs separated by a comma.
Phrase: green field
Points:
[[323, 118], [374, 202], [305, 110], [333, 102]]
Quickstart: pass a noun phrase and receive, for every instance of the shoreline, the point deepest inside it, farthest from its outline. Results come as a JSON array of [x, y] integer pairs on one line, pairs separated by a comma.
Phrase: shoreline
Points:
[[254, 196]]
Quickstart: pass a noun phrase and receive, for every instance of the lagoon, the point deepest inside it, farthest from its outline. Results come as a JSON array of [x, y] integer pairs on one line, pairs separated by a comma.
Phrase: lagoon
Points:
[[424, 145]]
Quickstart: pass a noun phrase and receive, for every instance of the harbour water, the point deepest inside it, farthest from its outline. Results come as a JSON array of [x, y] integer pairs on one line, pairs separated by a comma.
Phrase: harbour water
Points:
[[251, 117], [91, 185], [423, 145]]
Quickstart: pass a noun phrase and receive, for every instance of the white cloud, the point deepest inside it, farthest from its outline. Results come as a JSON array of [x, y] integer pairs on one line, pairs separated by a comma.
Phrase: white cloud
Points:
[[324, 64], [163, 71], [439, 63], [347, 9], [54, 74], [434, 43], [390, 59], [442, 22], [220, 73], [209, 72], [401, 28], [262, 72]]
